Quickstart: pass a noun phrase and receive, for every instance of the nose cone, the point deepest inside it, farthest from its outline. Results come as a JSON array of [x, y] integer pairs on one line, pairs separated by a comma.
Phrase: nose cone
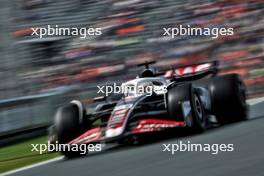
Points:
[[113, 132]]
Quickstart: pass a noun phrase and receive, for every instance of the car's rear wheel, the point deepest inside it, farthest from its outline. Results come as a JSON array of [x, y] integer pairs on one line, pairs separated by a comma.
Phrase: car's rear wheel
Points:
[[228, 94], [184, 104], [69, 125]]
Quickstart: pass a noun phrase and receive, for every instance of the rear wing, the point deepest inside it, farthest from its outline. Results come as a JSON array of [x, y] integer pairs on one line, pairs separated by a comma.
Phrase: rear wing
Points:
[[193, 71]]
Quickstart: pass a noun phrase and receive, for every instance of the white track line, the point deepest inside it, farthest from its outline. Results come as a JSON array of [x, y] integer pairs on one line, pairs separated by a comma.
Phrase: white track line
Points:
[[32, 166], [255, 100]]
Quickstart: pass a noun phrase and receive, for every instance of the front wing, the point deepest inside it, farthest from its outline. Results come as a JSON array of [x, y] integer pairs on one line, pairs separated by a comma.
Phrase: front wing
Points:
[[97, 134]]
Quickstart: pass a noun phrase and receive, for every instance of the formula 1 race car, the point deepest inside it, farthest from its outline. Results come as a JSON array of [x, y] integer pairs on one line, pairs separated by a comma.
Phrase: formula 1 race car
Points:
[[187, 96]]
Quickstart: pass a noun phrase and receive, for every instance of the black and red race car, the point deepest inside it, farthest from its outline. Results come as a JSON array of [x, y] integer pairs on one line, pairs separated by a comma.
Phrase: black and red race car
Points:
[[187, 97]]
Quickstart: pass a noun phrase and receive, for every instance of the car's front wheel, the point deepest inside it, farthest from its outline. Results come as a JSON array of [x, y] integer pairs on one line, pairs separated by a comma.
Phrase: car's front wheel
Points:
[[69, 125], [184, 104]]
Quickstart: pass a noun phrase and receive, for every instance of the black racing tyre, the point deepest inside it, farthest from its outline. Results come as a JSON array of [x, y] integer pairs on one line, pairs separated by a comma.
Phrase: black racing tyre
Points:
[[179, 96], [69, 125], [228, 94]]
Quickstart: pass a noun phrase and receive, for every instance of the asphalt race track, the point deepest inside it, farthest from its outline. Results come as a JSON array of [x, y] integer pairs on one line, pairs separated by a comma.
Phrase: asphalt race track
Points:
[[247, 159]]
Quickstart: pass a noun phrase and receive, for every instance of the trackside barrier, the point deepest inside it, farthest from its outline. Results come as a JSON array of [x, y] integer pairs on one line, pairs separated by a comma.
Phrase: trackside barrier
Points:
[[24, 113]]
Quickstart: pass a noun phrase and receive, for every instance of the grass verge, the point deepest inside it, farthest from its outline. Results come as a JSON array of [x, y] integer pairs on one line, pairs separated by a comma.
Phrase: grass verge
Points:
[[20, 154]]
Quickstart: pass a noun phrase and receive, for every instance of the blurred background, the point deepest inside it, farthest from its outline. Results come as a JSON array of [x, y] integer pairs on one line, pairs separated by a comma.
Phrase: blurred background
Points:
[[38, 75]]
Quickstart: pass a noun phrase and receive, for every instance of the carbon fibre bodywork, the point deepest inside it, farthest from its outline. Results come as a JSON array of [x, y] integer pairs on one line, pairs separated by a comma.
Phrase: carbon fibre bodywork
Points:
[[131, 115]]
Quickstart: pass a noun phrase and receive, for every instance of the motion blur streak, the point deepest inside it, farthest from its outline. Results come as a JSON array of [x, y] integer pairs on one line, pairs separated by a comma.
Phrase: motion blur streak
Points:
[[130, 33]]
